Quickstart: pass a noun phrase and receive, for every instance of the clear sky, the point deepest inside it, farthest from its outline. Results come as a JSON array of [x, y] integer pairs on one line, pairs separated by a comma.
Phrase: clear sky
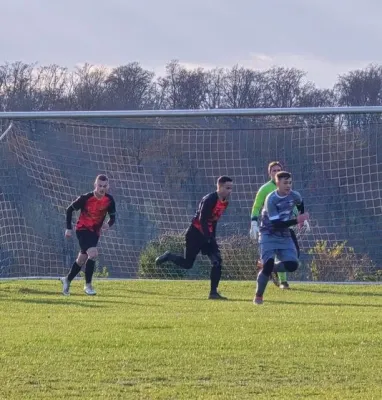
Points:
[[323, 37]]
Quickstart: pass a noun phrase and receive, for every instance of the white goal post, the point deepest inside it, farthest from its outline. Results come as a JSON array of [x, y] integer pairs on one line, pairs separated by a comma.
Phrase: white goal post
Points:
[[161, 162]]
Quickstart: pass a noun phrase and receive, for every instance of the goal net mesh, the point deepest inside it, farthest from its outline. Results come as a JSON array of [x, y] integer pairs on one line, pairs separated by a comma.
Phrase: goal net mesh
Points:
[[159, 168]]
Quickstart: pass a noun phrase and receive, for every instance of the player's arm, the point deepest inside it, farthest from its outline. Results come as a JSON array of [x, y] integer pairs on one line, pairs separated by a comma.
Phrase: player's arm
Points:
[[206, 214], [275, 218], [77, 204], [111, 211], [214, 225], [256, 208], [301, 209], [258, 203]]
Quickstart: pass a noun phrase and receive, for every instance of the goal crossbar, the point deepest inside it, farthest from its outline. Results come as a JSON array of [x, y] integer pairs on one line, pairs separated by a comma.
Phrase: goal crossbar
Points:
[[246, 112]]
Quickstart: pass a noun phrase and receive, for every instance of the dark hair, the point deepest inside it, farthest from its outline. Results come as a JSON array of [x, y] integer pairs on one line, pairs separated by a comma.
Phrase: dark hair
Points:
[[223, 179], [273, 164], [102, 178], [283, 175]]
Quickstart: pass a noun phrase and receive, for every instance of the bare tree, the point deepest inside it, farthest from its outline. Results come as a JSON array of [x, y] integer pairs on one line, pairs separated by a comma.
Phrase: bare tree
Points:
[[214, 83], [87, 88], [360, 88], [283, 87], [311, 96], [242, 88], [16, 86], [181, 88], [130, 87], [51, 88]]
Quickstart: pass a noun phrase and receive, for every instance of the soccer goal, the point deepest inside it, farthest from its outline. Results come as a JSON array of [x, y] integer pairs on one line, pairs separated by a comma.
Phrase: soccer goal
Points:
[[160, 164]]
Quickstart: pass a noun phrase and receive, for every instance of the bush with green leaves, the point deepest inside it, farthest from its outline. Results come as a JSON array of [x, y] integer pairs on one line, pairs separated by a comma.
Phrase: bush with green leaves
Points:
[[240, 255], [369, 276], [173, 242], [337, 262]]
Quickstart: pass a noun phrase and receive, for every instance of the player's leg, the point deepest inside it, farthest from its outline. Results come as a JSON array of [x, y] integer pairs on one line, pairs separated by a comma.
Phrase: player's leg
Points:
[[212, 251], [73, 272], [280, 274], [275, 274], [194, 242], [267, 252], [89, 242], [92, 253], [283, 275], [264, 275], [273, 277], [77, 265], [288, 258]]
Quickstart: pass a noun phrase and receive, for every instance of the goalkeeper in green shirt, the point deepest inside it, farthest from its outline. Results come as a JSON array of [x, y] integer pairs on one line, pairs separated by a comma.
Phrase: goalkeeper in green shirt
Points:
[[274, 167]]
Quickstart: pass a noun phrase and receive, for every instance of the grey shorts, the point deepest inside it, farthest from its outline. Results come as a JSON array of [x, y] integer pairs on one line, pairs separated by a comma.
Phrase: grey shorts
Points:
[[282, 248]]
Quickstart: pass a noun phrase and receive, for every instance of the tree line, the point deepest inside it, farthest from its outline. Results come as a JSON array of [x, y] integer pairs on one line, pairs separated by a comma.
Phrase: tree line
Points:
[[31, 87]]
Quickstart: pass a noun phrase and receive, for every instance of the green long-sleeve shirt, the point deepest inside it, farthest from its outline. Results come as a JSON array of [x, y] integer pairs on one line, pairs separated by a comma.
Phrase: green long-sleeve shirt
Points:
[[261, 195]]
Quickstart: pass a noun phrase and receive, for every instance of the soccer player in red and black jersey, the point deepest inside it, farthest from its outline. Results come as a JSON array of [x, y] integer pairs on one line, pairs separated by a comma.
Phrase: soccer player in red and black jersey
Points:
[[201, 235], [94, 207]]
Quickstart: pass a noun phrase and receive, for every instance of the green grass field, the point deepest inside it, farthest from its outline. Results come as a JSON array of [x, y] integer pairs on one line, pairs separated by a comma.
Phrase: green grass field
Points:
[[164, 340]]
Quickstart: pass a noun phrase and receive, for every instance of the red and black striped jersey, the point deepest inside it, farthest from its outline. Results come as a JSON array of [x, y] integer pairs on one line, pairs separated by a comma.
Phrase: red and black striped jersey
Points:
[[210, 209], [93, 212]]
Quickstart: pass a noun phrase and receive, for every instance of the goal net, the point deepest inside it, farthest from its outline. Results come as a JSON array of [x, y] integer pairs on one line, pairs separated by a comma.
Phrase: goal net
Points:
[[159, 168]]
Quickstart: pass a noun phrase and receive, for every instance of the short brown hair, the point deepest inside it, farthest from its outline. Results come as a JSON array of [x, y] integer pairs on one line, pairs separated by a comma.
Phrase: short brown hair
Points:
[[223, 179], [102, 177], [272, 164], [283, 175]]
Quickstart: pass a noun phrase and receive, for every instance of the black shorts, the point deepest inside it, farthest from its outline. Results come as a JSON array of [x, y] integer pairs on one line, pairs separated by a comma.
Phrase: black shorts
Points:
[[196, 242], [86, 240]]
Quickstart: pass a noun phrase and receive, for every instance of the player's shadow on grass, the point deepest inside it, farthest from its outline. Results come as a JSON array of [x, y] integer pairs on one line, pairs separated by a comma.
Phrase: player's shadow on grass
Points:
[[144, 294], [56, 302], [104, 300], [56, 293], [310, 303], [39, 292], [99, 299], [307, 303], [337, 292]]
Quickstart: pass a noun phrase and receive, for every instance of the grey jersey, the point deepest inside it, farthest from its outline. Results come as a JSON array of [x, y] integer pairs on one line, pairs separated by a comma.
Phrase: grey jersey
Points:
[[278, 207]]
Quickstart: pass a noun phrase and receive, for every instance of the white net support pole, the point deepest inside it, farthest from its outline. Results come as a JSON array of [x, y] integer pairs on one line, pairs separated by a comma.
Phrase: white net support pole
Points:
[[3, 134]]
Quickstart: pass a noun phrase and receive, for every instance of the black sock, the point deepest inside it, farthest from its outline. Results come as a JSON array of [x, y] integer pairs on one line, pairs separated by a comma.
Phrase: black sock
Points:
[[180, 261], [215, 275], [74, 271], [89, 270]]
